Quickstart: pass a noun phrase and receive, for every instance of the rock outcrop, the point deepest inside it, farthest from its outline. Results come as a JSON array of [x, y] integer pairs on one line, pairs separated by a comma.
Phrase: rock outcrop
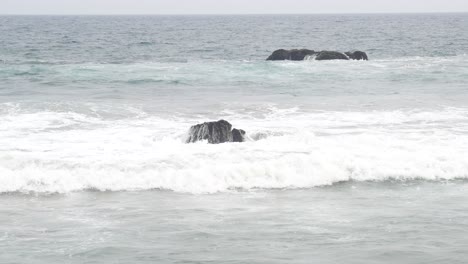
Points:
[[357, 55], [331, 55], [294, 55], [215, 133], [238, 135], [302, 54]]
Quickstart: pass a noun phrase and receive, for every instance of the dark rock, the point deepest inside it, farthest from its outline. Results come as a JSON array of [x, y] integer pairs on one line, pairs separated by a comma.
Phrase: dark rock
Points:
[[331, 55], [298, 55], [294, 55], [215, 133], [301, 54], [357, 55], [238, 135], [280, 54]]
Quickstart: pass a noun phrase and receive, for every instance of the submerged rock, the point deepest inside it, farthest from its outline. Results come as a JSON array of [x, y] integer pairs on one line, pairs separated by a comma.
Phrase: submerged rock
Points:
[[215, 133], [302, 54]]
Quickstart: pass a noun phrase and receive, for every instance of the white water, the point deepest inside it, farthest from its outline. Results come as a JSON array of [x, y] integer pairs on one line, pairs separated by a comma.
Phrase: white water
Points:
[[52, 151], [103, 103]]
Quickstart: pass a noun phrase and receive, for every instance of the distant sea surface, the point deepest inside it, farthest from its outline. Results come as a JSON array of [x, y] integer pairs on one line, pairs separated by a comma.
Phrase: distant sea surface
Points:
[[345, 161]]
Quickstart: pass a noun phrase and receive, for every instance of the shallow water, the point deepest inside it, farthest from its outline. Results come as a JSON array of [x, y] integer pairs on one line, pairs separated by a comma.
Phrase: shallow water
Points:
[[345, 161], [413, 222]]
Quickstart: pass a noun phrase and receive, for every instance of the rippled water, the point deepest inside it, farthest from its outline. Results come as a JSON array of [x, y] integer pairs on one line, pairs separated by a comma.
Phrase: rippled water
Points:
[[362, 158], [419, 222]]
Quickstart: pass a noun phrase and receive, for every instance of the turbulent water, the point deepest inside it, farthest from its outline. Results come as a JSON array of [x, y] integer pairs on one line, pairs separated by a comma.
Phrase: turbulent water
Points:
[[338, 153]]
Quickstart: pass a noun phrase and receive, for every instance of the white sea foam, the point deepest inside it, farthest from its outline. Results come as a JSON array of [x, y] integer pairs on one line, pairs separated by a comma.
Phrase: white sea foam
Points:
[[49, 151]]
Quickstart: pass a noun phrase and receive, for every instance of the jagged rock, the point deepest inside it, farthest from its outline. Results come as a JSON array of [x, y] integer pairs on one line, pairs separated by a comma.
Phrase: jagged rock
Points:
[[331, 55], [215, 133], [357, 55], [294, 55]]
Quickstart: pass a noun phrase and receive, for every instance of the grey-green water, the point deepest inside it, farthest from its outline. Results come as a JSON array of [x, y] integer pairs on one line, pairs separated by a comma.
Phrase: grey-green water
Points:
[[345, 162], [347, 223]]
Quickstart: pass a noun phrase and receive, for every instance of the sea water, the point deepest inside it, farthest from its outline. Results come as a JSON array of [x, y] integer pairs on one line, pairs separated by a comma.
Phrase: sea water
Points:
[[345, 161]]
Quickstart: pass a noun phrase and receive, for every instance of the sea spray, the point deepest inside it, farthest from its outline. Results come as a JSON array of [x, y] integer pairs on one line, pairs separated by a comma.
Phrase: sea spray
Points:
[[61, 152]]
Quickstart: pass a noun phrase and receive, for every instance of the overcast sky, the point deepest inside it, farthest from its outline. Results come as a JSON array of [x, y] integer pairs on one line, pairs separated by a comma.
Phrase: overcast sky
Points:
[[227, 6]]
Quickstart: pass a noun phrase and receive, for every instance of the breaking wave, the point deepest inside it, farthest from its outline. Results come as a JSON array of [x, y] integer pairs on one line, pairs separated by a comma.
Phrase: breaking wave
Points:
[[52, 151]]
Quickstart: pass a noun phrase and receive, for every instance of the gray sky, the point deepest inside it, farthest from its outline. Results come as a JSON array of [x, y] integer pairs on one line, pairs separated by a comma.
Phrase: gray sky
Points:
[[227, 6]]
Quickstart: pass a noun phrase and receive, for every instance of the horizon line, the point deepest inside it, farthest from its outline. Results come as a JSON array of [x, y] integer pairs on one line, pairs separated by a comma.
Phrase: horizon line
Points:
[[233, 14]]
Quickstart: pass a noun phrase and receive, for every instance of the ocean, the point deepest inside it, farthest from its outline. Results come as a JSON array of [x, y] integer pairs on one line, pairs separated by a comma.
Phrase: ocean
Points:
[[345, 161]]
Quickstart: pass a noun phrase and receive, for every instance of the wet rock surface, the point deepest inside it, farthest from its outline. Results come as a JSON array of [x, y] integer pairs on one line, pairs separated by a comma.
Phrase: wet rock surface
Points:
[[302, 54], [215, 133]]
